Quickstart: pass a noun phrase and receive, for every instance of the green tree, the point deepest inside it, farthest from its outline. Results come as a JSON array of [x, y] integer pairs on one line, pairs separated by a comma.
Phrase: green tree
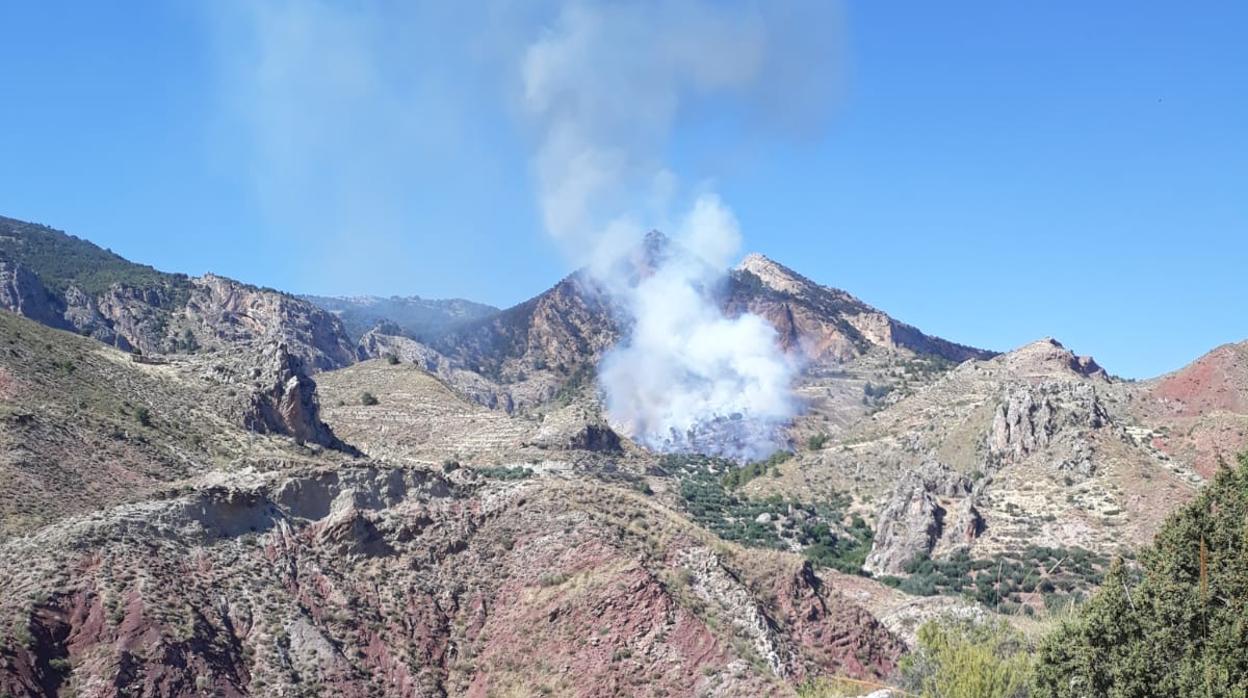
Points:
[[187, 342], [1178, 627]]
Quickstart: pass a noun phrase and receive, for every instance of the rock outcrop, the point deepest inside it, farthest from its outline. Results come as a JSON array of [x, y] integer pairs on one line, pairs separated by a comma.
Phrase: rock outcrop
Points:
[[84, 426], [1032, 418], [914, 519], [232, 312], [287, 402], [21, 292]]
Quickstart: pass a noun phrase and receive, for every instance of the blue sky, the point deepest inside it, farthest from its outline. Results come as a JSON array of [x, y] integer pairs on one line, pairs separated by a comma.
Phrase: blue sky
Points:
[[992, 172]]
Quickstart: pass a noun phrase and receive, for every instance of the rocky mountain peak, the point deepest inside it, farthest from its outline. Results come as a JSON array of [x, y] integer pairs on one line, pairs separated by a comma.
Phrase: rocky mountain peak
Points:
[[655, 241], [774, 275], [1047, 357], [827, 324]]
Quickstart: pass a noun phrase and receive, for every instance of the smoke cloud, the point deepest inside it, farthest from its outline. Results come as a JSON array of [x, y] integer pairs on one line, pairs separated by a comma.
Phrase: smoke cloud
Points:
[[607, 84]]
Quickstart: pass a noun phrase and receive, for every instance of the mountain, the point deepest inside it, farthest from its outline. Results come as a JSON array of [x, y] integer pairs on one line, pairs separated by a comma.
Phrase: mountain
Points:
[[532, 352], [419, 318], [72, 284], [257, 505], [1035, 461], [828, 325], [1201, 410]]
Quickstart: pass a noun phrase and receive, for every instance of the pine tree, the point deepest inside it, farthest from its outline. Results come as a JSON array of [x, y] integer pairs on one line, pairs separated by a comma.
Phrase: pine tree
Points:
[[1179, 627]]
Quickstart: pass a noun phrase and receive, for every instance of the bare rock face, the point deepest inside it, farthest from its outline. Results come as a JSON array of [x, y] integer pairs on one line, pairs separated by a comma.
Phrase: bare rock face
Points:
[[826, 324], [233, 312], [908, 529], [21, 292], [914, 519], [138, 317], [856, 643], [1031, 418], [210, 312], [288, 404], [968, 523], [84, 317], [69, 283]]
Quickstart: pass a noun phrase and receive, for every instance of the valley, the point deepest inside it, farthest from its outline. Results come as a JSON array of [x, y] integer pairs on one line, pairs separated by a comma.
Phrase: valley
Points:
[[216, 488]]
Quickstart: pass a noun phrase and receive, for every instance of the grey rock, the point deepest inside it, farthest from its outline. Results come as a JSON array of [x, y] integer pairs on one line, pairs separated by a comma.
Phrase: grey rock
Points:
[[21, 292], [286, 403], [1031, 418], [913, 520]]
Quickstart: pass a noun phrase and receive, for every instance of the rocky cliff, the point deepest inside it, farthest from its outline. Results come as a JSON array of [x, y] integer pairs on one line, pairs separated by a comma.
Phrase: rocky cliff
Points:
[[827, 324], [69, 283], [21, 292], [1036, 447]]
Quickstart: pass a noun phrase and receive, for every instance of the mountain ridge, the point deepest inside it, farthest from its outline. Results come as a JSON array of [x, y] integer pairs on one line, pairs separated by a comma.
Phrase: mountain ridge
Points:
[[418, 317], [73, 284]]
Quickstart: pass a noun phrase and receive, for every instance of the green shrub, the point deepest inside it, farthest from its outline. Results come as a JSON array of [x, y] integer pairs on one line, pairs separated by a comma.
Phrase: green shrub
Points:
[[553, 580], [962, 658], [505, 472], [737, 477], [186, 342], [1008, 578], [368, 399]]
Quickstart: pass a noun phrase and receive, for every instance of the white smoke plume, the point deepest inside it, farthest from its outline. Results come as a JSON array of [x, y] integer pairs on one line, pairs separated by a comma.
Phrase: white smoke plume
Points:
[[606, 85]]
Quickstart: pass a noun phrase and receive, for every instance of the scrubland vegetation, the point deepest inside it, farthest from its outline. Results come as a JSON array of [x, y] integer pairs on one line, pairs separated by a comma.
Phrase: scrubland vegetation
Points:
[[1174, 623]]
